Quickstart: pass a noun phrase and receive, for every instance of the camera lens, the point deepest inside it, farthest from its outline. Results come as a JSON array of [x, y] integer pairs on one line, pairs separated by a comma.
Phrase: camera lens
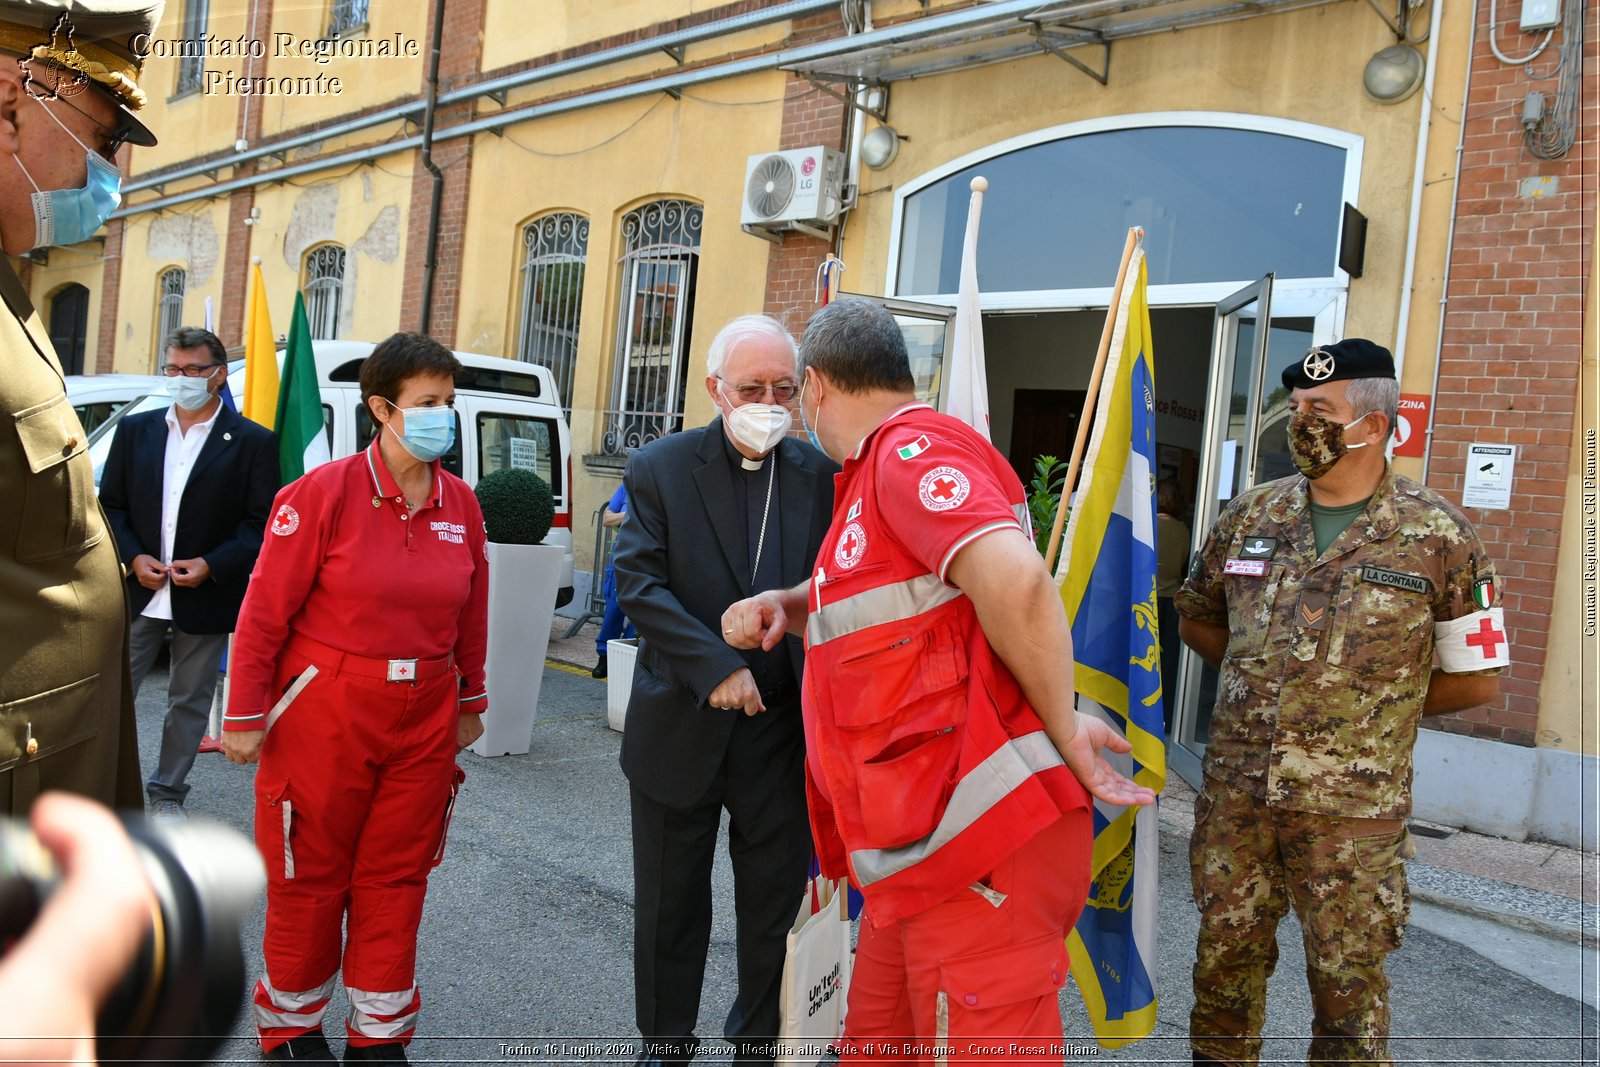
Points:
[[179, 999]]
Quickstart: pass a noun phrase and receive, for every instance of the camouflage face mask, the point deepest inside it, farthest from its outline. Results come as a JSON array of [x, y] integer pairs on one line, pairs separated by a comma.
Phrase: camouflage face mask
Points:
[[1316, 443]]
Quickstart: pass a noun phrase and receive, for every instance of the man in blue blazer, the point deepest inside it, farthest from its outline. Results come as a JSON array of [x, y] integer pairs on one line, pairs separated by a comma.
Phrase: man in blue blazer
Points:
[[187, 492]]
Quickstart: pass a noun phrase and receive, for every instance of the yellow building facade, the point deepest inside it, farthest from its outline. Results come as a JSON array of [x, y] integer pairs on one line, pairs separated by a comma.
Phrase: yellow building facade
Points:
[[303, 149]]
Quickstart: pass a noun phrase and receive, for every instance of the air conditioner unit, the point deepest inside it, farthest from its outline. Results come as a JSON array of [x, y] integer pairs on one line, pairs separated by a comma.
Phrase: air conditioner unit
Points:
[[798, 189]]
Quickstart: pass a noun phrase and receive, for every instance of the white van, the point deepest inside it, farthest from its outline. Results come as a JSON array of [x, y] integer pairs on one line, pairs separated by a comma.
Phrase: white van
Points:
[[97, 397], [508, 414]]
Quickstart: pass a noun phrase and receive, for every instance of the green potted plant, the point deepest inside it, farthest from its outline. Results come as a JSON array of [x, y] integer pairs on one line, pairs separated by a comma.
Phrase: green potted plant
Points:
[[1044, 497], [518, 509]]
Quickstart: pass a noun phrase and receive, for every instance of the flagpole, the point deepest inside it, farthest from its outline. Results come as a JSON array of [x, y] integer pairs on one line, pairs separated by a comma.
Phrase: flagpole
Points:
[[1135, 236]]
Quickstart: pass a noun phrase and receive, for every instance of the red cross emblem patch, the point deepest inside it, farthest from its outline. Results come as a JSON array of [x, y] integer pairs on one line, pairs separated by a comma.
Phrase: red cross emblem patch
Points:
[[1486, 638], [851, 546], [943, 488], [286, 521]]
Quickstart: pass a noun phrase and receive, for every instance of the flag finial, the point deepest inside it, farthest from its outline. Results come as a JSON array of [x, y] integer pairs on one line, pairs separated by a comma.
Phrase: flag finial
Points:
[[980, 184]]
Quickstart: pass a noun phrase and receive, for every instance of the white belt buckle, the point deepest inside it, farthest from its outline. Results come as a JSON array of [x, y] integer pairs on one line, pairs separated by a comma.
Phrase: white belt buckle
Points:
[[402, 670]]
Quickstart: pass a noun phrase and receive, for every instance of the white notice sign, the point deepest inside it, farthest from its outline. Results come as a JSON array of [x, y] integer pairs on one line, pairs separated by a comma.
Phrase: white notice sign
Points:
[[524, 454], [1488, 480]]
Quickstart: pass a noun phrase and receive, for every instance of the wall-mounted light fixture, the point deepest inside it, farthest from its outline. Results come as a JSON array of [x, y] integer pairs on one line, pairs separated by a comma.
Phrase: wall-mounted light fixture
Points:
[[880, 146], [1393, 74], [254, 217]]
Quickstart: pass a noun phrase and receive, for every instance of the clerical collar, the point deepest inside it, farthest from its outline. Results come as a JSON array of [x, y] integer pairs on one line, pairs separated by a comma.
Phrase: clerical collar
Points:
[[751, 464]]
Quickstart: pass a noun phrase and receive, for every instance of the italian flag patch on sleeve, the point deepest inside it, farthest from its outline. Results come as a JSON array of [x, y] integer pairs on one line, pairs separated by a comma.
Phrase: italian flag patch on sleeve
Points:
[[914, 449]]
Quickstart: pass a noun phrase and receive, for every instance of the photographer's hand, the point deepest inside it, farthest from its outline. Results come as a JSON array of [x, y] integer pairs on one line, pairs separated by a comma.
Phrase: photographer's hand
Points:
[[54, 980]]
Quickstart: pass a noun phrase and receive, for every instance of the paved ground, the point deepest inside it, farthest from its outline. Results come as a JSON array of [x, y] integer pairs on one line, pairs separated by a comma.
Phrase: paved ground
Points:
[[526, 945]]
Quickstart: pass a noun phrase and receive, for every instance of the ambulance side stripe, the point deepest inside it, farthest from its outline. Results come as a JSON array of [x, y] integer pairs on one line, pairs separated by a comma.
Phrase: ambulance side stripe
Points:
[[871, 607], [981, 790]]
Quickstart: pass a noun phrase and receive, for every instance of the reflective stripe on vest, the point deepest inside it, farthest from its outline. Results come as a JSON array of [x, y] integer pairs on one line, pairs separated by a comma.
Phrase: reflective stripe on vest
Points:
[[983, 788], [872, 607]]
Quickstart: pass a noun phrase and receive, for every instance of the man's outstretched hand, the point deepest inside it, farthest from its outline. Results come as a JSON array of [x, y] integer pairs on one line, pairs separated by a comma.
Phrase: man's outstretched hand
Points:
[[1085, 757]]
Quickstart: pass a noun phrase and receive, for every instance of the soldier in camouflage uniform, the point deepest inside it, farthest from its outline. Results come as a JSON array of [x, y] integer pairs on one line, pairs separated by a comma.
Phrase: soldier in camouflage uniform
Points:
[[1340, 607]]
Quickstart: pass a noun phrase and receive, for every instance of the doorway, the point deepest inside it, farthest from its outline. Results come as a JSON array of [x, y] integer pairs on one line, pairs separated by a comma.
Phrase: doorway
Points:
[[69, 326], [1221, 416]]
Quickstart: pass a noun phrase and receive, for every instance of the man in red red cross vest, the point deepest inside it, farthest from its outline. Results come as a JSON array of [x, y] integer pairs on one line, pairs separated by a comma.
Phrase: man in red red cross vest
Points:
[[1341, 605], [946, 770]]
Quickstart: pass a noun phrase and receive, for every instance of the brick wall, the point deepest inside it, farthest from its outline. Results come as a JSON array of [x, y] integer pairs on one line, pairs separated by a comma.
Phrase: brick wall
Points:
[[110, 288], [458, 61], [236, 251], [810, 117], [236, 268], [1512, 348]]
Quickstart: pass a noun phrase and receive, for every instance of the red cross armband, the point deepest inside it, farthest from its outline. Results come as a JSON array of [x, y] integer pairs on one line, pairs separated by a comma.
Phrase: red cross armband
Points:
[[1473, 642]]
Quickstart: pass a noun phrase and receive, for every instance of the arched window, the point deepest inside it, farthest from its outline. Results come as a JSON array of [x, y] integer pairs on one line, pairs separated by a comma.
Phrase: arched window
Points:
[[169, 306], [324, 290], [1222, 198], [191, 60], [69, 326], [661, 255], [555, 248]]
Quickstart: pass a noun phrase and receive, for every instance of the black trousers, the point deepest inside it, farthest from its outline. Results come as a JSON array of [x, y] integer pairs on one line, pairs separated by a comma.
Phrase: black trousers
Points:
[[760, 784]]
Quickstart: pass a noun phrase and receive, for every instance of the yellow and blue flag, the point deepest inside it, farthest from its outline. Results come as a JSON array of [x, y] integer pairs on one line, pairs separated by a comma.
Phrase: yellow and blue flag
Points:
[[1108, 583]]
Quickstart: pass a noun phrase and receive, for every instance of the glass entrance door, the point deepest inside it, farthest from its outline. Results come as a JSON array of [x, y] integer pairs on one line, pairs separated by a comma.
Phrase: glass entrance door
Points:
[[1258, 332], [926, 329]]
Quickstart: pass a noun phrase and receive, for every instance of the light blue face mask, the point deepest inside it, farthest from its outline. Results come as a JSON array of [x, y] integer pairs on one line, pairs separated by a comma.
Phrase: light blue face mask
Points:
[[67, 216], [811, 435], [429, 431]]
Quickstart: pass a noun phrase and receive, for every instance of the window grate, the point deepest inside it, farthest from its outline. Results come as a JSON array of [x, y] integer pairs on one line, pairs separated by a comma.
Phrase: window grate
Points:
[[169, 313], [324, 290], [346, 16], [192, 58], [556, 250], [655, 307]]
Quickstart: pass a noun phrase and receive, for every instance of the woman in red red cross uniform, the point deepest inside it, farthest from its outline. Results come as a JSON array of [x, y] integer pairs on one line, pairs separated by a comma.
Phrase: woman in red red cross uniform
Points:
[[357, 675]]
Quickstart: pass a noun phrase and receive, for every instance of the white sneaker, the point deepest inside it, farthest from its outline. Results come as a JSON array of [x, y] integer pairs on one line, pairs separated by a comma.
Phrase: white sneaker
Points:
[[167, 811]]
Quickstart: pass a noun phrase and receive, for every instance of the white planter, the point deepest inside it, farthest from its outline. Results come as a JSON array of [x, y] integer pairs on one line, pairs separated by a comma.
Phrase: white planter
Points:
[[620, 658], [522, 600]]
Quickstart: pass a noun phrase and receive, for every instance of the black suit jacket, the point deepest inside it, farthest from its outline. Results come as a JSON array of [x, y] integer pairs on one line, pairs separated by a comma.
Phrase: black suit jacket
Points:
[[224, 509], [681, 560]]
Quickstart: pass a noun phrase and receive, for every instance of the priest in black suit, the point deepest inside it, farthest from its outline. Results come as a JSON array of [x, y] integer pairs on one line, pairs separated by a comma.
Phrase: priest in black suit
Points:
[[718, 513], [187, 492]]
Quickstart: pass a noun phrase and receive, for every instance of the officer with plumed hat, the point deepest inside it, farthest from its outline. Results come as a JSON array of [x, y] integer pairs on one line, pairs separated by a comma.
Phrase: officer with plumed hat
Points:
[[69, 90]]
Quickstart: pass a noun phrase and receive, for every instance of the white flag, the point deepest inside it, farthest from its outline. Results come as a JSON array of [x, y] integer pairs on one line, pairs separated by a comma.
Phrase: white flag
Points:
[[966, 385]]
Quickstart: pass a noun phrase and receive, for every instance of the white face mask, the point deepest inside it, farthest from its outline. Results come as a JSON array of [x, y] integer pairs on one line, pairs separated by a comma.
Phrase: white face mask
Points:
[[759, 427], [190, 394]]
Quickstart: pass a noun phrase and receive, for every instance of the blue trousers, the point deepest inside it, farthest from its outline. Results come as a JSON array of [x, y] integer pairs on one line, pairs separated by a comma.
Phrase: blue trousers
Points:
[[613, 624]]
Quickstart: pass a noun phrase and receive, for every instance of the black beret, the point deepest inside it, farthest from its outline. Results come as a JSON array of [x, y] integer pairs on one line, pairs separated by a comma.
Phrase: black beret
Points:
[[1354, 357]]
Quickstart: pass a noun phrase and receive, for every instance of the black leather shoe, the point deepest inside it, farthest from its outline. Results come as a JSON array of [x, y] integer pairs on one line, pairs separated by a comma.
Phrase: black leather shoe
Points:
[[599, 668], [388, 1052], [309, 1047]]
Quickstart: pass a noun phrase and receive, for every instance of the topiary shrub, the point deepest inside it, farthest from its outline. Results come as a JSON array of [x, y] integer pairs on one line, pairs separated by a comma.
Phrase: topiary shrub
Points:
[[518, 507]]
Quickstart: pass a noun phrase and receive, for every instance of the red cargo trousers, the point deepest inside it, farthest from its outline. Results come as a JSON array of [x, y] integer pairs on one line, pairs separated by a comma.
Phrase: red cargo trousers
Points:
[[353, 798], [976, 978]]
